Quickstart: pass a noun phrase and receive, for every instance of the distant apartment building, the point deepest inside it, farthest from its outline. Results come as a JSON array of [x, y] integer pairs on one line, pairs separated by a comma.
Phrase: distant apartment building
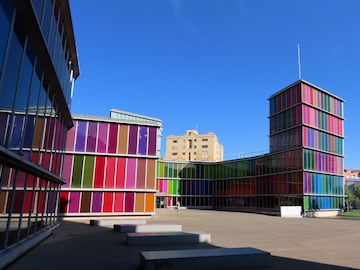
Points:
[[348, 173], [193, 146], [352, 181]]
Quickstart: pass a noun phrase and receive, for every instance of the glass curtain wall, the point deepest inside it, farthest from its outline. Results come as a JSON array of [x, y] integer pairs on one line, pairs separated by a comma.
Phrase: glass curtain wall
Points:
[[32, 124]]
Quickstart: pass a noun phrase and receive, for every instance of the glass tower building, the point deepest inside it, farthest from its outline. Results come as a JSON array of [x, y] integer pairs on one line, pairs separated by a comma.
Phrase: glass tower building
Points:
[[304, 166], [38, 66]]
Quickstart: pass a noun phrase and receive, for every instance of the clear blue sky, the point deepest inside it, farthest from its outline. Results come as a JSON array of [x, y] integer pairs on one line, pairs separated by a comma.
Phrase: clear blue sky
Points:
[[212, 64]]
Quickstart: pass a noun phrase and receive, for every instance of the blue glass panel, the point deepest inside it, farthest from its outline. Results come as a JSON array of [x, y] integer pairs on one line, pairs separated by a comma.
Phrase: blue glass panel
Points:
[[15, 139], [29, 131]]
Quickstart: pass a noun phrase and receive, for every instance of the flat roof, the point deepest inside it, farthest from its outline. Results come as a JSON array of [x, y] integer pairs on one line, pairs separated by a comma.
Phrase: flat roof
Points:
[[157, 123], [308, 83]]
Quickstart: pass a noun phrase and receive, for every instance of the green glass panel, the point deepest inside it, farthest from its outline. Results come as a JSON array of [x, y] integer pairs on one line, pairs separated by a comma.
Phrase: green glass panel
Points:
[[175, 171], [158, 169], [88, 171], [161, 169], [171, 169], [77, 169], [170, 186], [175, 190], [166, 170]]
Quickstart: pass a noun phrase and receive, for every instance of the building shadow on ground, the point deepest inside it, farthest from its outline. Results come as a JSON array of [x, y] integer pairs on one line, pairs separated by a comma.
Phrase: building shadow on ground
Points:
[[78, 246]]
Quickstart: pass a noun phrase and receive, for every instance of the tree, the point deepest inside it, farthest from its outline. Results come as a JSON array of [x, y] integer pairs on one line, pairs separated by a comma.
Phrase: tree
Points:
[[357, 192], [350, 198]]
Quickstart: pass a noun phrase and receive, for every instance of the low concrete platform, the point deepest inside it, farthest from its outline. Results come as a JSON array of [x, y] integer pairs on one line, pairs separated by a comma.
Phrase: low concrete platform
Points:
[[129, 228], [159, 238], [111, 222], [209, 259]]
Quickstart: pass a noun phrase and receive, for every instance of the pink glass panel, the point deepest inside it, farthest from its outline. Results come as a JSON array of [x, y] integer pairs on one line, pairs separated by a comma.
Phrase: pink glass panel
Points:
[[130, 174], [67, 169], [102, 137], [70, 139]]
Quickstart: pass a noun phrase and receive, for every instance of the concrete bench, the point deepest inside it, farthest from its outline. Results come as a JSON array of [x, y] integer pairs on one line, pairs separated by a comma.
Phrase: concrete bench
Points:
[[111, 222], [128, 228], [207, 259], [158, 238]]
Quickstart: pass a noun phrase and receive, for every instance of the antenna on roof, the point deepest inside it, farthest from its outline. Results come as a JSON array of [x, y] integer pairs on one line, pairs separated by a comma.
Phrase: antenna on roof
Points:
[[299, 64]]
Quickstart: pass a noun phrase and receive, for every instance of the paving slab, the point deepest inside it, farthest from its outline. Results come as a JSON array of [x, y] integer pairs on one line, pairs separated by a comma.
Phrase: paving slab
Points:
[[111, 222], [205, 259], [127, 228], [161, 238]]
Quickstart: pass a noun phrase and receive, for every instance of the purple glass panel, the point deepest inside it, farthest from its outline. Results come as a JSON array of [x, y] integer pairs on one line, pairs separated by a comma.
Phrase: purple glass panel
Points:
[[59, 134], [3, 126], [129, 202], [49, 133], [152, 141], [51, 203], [26, 154], [67, 170], [143, 136], [91, 138], [130, 172], [113, 134], [80, 136], [29, 131], [102, 137], [96, 201], [17, 130], [133, 138], [74, 202]]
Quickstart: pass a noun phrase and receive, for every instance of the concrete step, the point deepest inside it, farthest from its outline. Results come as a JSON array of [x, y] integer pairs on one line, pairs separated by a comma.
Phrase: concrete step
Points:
[[111, 222], [158, 238], [128, 228], [207, 259]]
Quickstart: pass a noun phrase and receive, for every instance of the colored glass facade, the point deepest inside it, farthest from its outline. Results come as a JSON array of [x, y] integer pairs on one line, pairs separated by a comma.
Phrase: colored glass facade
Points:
[[110, 166], [304, 166], [38, 66]]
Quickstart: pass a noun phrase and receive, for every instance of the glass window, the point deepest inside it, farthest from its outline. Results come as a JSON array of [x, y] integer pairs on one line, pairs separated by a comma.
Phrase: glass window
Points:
[[6, 11], [38, 7], [24, 85], [35, 90], [17, 131], [102, 137], [81, 135], [29, 131], [52, 36], [91, 138], [11, 72], [45, 23]]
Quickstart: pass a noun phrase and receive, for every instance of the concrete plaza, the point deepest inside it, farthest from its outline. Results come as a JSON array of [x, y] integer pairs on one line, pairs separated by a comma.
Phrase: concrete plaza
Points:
[[294, 243]]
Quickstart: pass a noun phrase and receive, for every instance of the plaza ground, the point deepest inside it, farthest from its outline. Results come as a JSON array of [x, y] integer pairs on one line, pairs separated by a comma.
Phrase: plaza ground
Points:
[[294, 243]]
